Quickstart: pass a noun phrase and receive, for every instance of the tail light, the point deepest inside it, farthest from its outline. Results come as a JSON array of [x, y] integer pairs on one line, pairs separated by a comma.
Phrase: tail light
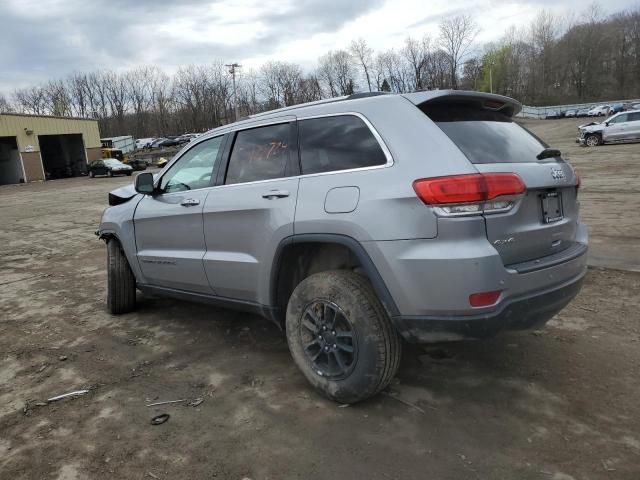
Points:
[[578, 181], [484, 299], [470, 194]]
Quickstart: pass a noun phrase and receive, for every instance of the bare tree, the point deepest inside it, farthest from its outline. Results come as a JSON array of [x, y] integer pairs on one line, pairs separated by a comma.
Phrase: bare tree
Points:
[[456, 36], [363, 56], [417, 54], [337, 72], [5, 106]]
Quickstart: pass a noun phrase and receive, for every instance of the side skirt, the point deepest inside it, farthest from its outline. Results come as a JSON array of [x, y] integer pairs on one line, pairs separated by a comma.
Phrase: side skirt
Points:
[[265, 311]]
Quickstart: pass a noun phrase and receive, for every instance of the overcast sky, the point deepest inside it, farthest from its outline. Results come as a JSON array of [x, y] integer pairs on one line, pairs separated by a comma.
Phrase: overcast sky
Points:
[[42, 39]]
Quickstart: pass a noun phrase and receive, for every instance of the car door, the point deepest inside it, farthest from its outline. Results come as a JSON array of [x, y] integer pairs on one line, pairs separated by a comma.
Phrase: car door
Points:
[[633, 125], [168, 225], [251, 210], [98, 168], [616, 128]]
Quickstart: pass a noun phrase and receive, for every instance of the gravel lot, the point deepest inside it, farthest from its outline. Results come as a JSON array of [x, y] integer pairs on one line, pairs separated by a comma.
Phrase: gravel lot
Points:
[[561, 403]]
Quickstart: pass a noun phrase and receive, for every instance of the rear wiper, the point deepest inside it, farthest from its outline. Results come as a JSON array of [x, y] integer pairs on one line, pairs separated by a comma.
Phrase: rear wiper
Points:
[[549, 153]]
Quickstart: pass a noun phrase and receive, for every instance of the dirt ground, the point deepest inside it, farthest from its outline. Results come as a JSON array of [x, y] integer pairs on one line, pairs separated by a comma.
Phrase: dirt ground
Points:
[[561, 403]]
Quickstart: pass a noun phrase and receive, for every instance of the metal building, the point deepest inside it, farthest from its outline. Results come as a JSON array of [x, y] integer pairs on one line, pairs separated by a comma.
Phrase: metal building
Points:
[[34, 147]]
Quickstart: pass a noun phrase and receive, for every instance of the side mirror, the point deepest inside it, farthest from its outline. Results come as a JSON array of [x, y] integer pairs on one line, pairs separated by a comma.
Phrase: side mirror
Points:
[[606, 124], [144, 183]]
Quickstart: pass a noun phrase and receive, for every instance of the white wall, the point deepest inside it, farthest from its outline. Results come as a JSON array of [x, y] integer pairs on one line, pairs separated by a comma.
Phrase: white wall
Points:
[[10, 165]]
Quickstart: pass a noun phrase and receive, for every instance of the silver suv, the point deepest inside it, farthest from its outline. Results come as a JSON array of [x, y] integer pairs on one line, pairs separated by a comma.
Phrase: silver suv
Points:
[[621, 127], [356, 222]]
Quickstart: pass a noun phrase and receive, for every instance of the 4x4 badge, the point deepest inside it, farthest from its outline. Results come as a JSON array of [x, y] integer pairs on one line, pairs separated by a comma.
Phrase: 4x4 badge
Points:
[[557, 173]]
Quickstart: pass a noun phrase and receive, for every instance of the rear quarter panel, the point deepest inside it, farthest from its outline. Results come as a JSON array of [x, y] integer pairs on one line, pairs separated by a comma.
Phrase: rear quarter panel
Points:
[[388, 208]]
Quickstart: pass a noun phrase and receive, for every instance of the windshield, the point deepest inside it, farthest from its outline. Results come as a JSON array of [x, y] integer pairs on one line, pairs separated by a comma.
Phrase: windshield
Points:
[[113, 163], [485, 136]]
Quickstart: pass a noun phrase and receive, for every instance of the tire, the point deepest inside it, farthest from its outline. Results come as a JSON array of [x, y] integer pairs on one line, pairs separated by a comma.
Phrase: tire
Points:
[[121, 284], [109, 173], [375, 344], [129, 174], [593, 140], [92, 175]]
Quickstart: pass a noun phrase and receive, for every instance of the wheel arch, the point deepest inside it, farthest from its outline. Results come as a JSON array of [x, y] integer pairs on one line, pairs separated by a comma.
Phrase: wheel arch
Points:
[[299, 256]]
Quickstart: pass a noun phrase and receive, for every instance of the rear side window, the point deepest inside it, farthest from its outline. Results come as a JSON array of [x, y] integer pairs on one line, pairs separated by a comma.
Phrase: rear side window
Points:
[[259, 154], [337, 143], [634, 116], [485, 136]]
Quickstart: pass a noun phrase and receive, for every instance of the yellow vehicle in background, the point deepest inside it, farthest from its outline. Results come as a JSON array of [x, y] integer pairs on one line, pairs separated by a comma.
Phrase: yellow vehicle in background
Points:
[[115, 153]]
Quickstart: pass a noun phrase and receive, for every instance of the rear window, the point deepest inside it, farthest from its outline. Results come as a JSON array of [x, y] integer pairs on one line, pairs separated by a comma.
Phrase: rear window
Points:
[[485, 136]]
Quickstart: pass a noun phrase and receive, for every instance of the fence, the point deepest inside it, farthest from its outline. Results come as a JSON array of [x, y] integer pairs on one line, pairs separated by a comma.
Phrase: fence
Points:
[[542, 112]]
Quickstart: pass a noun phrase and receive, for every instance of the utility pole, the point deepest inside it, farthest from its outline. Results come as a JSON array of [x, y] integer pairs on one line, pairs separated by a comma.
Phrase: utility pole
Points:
[[491, 64], [232, 71]]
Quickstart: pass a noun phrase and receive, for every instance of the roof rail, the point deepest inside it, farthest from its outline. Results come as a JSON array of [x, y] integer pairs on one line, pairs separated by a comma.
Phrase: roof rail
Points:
[[353, 96]]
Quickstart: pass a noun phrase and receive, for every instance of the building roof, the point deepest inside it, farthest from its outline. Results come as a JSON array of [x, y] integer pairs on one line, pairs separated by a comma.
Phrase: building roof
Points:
[[12, 114]]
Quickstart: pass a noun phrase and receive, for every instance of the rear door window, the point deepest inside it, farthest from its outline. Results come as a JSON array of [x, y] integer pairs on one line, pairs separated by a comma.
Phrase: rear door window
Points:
[[485, 136], [633, 117], [260, 154], [338, 142]]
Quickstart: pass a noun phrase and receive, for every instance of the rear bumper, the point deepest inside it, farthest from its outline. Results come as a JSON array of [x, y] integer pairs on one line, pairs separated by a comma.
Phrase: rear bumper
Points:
[[525, 312]]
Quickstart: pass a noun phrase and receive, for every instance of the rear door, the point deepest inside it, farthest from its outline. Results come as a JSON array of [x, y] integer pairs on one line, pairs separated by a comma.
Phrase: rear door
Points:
[[251, 210], [543, 221], [617, 128], [634, 125], [169, 225]]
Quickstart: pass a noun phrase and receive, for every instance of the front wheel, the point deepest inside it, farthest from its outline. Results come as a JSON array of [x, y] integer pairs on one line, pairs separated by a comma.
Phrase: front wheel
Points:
[[341, 337], [91, 174], [109, 173], [121, 284], [593, 140]]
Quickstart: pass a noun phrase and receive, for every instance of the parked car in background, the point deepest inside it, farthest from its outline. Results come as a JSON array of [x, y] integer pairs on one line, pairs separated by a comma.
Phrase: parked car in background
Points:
[[571, 113], [489, 240], [582, 112], [615, 108], [109, 167], [599, 111], [142, 143], [553, 114], [621, 127], [156, 143], [137, 164], [172, 142]]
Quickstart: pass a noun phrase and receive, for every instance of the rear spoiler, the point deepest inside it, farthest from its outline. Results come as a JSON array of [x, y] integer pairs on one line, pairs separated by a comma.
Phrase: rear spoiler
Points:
[[490, 101]]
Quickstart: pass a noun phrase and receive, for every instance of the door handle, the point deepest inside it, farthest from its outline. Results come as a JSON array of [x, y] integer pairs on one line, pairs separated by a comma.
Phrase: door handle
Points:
[[190, 202], [271, 194]]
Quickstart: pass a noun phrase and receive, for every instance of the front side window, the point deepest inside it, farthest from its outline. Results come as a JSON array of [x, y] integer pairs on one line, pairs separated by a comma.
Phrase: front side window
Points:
[[260, 154], [337, 143], [194, 169]]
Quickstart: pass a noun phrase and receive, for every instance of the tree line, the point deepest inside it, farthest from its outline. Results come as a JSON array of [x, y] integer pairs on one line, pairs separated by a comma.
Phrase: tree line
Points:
[[555, 60]]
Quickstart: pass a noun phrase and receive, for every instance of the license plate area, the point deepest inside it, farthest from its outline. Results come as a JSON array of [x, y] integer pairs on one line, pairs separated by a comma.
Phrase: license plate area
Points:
[[551, 207]]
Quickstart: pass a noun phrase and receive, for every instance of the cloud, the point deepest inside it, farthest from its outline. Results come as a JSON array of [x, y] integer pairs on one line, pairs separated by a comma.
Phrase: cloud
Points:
[[62, 37], [44, 39]]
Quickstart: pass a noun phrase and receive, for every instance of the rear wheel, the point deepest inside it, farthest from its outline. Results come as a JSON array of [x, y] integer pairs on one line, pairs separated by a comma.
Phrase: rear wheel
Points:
[[341, 337], [91, 174], [121, 284], [593, 140]]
